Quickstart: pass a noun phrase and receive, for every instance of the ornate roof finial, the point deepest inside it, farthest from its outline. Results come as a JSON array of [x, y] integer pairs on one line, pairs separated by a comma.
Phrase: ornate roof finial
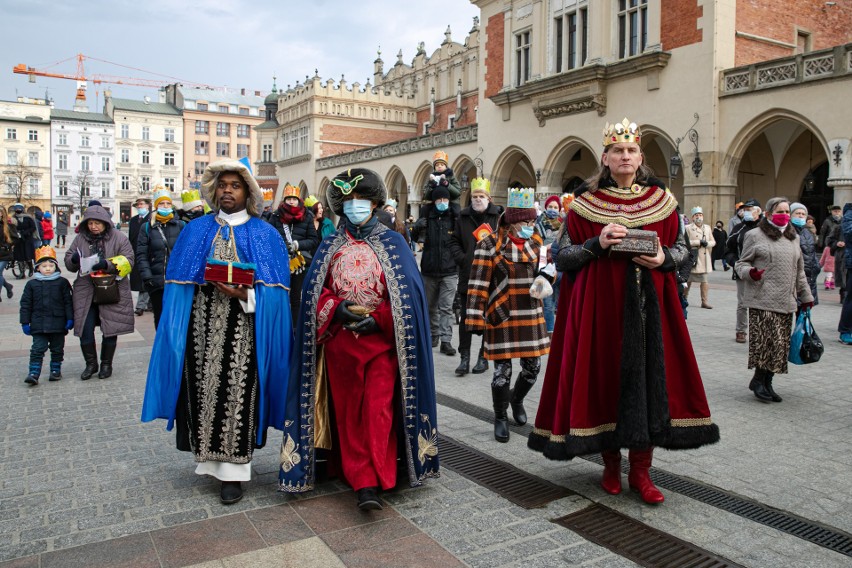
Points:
[[448, 35], [399, 57], [274, 87]]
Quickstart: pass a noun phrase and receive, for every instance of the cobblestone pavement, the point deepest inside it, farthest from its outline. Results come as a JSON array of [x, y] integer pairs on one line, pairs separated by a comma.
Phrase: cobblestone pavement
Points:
[[84, 483]]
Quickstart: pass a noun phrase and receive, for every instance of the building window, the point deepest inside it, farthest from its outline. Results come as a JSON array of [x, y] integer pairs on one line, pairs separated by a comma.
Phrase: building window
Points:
[[202, 127], [104, 189], [104, 164], [125, 156], [11, 157], [125, 183], [85, 163], [146, 157], [62, 160], [169, 183], [63, 139], [201, 147], [804, 43], [32, 159], [632, 27], [11, 134], [146, 183], [33, 136], [63, 188], [522, 58], [202, 106], [223, 129], [146, 133], [571, 46], [33, 183], [303, 140], [243, 131], [267, 153], [125, 131], [224, 108], [169, 159], [11, 185], [85, 141], [223, 149], [170, 135], [200, 167], [104, 142], [242, 150], [244, 111]]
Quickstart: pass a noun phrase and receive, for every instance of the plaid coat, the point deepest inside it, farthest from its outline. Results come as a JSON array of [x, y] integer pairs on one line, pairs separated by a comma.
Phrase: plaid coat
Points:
[[499, 301]]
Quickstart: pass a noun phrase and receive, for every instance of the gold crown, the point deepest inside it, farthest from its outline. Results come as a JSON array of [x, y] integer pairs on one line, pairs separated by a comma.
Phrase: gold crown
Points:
[[480, 184], [291, 191], [45, 253], [268, 195], [441, 156], [625, 132], [567, 199]]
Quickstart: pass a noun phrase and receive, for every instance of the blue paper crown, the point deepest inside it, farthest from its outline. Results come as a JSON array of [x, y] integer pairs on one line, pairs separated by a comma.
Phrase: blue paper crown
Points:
[[521, 198]]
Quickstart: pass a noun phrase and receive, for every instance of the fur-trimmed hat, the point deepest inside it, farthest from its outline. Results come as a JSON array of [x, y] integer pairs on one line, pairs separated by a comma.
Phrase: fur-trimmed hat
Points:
[[362, 181], [254, 201]]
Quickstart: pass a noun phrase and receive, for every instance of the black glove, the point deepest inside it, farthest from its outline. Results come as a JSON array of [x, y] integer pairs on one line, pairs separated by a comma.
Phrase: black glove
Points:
[[151, 285], [100, 265], [364, 327], [703, 243], [75, 258], [445, 182], [343, 315]]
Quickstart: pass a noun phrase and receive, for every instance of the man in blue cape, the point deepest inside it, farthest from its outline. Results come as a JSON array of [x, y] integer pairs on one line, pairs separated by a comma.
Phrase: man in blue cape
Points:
[[363, 385], [219, 367]]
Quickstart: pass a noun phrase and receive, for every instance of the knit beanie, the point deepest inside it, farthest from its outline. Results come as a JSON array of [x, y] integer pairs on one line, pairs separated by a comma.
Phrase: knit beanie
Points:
[[553, 199], [440, 192]]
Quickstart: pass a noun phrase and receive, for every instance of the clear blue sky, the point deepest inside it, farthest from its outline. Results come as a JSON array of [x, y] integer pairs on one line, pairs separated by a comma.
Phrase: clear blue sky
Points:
[[232, 43]]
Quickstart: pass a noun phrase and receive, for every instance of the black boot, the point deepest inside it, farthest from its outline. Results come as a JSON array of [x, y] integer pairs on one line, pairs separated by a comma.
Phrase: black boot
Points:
[[90, 355], [481, 364], [767, 382], [516, 399], [500, 398], [107, 351], [758, 387], [464, 364], [447, 348]]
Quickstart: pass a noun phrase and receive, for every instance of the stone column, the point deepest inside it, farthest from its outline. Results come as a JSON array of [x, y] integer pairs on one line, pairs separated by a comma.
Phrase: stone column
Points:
[[716, 200], [840, 170]]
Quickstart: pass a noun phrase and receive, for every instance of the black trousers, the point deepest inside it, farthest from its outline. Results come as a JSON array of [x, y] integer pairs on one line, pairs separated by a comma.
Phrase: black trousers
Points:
[[156, 299], [43, 341], [87, 337]]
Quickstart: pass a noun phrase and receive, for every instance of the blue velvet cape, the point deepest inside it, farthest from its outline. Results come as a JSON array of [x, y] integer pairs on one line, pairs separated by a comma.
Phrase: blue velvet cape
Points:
[[414, 352], [259, 243]]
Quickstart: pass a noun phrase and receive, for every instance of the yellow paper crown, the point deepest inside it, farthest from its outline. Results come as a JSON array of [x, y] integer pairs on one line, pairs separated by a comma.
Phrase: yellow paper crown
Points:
[[291, 191], [441, 156], [521, 198], [567, 199], [480, 184], [311, 201], [268, 195], [45, 253], [624, 132], [121, 264]]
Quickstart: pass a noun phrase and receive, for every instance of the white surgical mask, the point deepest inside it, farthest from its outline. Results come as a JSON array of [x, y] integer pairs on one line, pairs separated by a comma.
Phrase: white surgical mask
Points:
[[142, 211], [748, 216], [357, 210]]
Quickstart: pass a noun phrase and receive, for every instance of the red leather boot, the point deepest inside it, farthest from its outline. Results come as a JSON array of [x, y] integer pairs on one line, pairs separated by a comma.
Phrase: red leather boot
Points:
[[611, 479], [639, 479]]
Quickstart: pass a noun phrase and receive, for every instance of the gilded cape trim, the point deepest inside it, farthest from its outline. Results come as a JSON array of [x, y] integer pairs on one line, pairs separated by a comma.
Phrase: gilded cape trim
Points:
[[633, 210]]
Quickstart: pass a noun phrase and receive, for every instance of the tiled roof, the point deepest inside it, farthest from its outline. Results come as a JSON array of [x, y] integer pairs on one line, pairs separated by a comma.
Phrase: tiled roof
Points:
[[56, 114], [268, 125], [215, 96], [142, 106]]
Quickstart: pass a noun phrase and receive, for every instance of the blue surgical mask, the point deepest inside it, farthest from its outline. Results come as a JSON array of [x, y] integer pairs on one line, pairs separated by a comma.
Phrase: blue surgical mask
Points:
[[164, 211], [142, 211], [798, 221], [748, 216], [357, 210], [526, 232], [551, 213], [442, 206]]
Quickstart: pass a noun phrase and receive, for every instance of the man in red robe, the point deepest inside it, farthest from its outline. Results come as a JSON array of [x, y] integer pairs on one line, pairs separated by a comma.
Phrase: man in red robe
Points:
[[622, 372]]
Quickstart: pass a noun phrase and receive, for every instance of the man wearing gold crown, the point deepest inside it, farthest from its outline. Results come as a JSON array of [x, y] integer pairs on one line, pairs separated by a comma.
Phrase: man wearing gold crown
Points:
[[622, 372]]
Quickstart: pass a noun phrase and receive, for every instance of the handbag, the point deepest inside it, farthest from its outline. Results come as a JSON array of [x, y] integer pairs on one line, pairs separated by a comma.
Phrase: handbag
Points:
[[805, 345], [636, 243], [106, 289]]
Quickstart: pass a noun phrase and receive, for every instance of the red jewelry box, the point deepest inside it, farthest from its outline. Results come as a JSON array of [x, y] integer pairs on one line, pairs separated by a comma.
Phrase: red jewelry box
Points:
[[229, 272]]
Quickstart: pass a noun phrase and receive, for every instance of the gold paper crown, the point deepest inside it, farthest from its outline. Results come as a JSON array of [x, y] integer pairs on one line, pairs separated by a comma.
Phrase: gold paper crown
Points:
[[190, 196], [268, 195], [291, 191], [480, 184], [625, 132], [45, 253], [521, 198], [567, 199], [441, 156], [311, 200]]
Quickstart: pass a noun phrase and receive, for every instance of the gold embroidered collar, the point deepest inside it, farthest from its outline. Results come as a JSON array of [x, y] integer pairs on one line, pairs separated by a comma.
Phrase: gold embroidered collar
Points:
[[624, 206]]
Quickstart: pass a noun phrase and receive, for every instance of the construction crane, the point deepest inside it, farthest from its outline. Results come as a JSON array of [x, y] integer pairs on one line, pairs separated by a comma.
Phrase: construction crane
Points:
[[97, 79]]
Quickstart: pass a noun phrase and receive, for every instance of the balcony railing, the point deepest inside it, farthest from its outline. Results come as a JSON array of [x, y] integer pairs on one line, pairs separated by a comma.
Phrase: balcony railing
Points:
[[796, 69]]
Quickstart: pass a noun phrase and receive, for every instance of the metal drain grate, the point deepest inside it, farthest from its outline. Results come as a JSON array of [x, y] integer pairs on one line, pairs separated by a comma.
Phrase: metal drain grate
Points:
[[810, 531], [638, 542], [518, 486]]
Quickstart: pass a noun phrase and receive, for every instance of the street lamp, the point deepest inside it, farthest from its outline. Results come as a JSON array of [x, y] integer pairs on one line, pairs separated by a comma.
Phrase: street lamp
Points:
[[677, 160]]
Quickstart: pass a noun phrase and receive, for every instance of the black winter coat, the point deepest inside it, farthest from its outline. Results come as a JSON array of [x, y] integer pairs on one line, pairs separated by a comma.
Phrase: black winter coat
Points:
[[25, 244], [304, 232], [46, 305], [734, 246], [152, 251], [463, 242], [437, 228], [133, 227]]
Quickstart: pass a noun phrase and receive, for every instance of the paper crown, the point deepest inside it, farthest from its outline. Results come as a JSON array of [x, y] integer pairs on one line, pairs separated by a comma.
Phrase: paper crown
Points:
[[480, 184], [567, 199], [160, 194], [392, 202], [621, 133], [268, 195], [45, 253], [441, 156], [291, 191], [191, 198], [311, 200], [521, 198], [696, 211]]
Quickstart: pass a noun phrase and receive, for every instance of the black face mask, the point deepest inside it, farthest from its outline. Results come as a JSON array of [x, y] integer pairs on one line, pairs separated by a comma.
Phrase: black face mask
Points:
[[194, 214]]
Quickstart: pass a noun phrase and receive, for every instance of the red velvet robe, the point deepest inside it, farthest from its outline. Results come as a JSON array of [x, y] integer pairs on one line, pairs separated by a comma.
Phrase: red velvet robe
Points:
[[622, 371]]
